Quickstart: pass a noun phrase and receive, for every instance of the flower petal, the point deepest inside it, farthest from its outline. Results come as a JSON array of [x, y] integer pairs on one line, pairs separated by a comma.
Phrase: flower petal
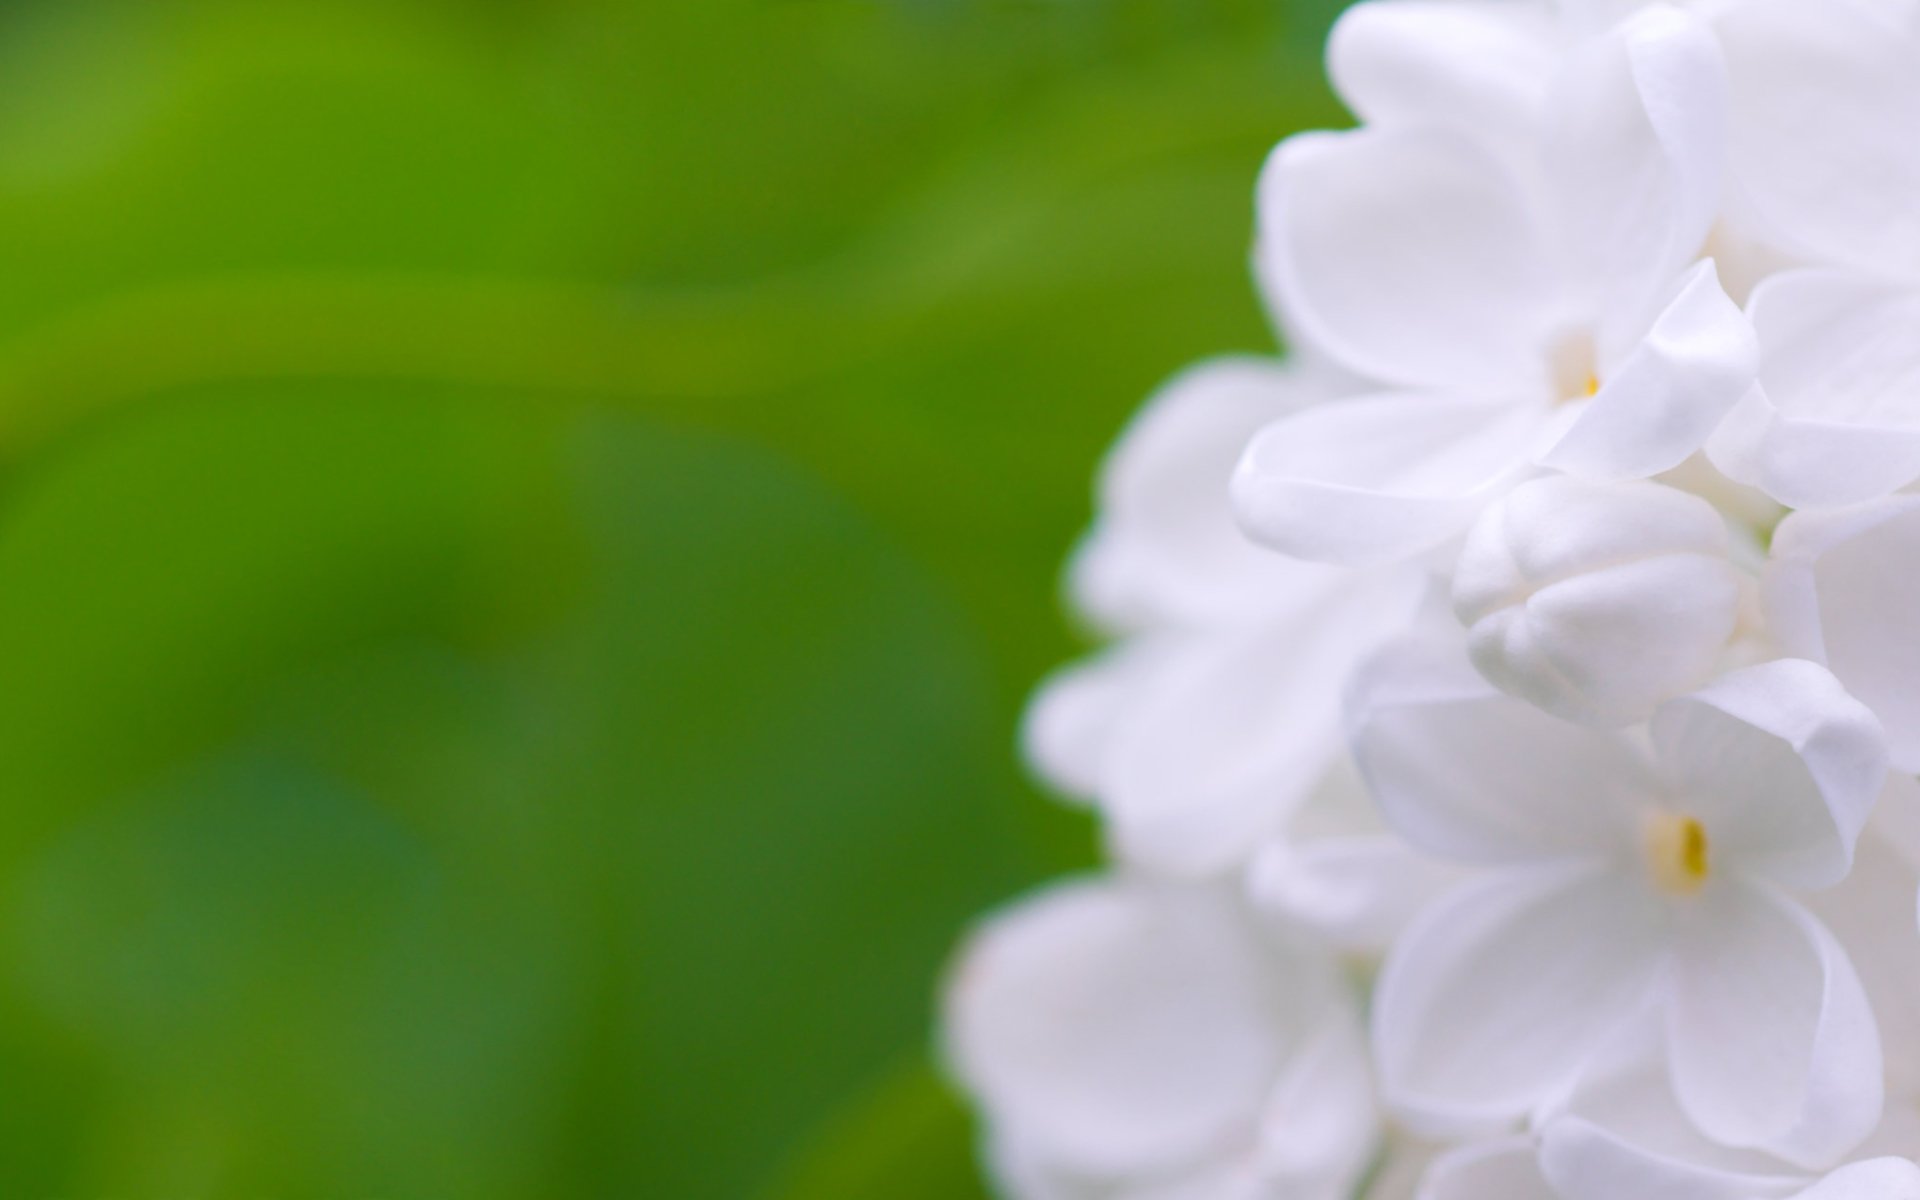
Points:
[[1825, 100], [1597, 601], [1067, 732], [1839, 590], [1321, 1126], [1112, 1028], [1871, 913], [1411, 255], [1630, 1113], [1673, 390], [1498, 1169], [1588, 1162], [1494, 999], [1779, 764], [1636, 153], [1769, 1032], [1356, 893], [1380, 478], [1837, 419], [1164, 548], [1021, 1174], [1479, 65], [1232, 736], [1605, 647], [1467, 773], [1875, 1179]]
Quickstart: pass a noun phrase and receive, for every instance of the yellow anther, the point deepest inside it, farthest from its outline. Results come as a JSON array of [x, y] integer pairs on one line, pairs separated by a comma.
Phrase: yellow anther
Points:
[[1677, 853]]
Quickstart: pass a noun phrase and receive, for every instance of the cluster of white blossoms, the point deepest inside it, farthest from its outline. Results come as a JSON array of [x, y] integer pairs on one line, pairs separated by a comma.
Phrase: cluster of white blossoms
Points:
[[1508, 733]]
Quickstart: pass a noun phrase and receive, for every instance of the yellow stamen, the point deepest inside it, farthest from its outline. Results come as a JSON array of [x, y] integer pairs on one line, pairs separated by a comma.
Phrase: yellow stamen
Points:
[[1677, 853], [1573, 367]]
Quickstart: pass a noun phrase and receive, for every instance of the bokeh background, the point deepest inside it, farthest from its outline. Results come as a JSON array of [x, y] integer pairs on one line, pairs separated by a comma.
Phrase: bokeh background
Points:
[[525, 530]]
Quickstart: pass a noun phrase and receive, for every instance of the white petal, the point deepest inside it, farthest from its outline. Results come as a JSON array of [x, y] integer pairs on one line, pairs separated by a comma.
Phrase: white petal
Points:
[[1871, 914], [1380, 478], [1467, 773], [1022, 1176], [1837, 419], [1164, 548], [1231, 1180], [1356, 893], [1637, 153], [1321, 1124], [1898, 1134], [1597, 601], [1604, 648], [1876, 1179], [1480, 65], [1769, 1032], [1659, 406], [1588, 1162], [1500, 1169], [1494, 1000], [1232, 737], [1067, 732], [1554, 527], [1825, 101], [1625, 1114], [1210, 761], [1779, 764], [1839, 589], [1114, 1029], [1410, 255]]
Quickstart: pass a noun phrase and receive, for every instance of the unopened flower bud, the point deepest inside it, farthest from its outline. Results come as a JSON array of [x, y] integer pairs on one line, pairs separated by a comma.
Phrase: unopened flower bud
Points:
[[1598, 601]]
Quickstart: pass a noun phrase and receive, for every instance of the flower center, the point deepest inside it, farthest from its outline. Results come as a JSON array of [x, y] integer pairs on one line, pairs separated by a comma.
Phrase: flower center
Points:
[[1676, 848], [1570, 362]]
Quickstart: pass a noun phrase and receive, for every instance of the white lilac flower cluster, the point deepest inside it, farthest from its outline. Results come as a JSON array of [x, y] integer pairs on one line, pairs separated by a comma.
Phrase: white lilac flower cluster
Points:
[[1508, 734]]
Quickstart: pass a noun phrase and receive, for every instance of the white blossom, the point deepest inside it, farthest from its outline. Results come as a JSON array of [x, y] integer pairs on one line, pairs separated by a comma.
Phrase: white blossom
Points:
[[1560, 317], [1621, 873], [1144, 1042], [1217, 716], [1543, 634]]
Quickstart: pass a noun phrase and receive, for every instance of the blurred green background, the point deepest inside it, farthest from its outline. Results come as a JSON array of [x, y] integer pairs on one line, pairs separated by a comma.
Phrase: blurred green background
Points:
[[525, 529]]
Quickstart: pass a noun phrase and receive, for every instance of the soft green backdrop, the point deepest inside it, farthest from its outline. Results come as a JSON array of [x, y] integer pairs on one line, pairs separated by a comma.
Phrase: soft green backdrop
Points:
[[525, 528]]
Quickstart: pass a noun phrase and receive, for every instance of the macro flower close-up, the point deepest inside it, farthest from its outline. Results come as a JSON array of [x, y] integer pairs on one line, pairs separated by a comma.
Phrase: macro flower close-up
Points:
[[960, 600], [1530, 645]]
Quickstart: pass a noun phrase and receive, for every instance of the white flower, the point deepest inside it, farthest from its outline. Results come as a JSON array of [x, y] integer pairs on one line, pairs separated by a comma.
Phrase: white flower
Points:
[[1840, 590], [1200, 733], [1555, 317], [1620, 875], [1623, 829], [1139, 1041], [1598, 601]]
